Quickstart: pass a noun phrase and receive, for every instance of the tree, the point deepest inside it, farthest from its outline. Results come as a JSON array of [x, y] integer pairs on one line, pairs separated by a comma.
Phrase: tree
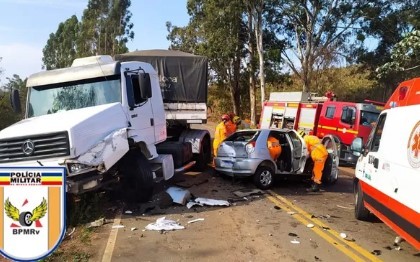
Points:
[[60, 50], [7, 116], [105, 28], [405, 57], [216, 30], [317, 33], [255, 10]]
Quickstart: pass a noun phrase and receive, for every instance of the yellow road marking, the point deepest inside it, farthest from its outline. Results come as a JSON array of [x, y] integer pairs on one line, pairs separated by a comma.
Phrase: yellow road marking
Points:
[[109, 249], [304, 217]]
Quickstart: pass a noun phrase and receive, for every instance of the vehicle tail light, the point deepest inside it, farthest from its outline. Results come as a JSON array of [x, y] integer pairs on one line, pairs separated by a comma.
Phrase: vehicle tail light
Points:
[[250, 147]]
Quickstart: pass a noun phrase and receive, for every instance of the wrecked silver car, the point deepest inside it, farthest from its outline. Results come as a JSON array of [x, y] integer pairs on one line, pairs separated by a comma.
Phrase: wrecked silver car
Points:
[[246, 153]]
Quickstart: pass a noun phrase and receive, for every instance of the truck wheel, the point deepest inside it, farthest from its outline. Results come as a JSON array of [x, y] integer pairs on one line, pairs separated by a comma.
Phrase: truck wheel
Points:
[[203, 158], [137, 177], [25, 219], [360, 211], [264, 177]]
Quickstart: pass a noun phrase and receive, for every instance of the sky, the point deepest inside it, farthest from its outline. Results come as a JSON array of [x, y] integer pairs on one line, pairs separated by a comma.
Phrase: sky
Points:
[[25, 26]]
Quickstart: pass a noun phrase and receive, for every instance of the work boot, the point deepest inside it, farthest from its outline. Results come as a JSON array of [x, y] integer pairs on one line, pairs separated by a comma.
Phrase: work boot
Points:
[[314, 188]]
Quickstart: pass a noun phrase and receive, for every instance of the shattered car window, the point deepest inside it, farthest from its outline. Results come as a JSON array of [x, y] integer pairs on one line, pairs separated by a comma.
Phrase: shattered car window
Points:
[[243, 136]]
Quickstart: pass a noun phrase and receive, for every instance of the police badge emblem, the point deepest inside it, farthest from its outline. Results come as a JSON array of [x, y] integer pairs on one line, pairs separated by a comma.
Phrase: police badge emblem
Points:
[[32, 200]]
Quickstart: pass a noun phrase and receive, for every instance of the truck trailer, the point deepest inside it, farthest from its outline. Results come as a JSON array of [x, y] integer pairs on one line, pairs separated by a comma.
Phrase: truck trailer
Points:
[[107, 120]]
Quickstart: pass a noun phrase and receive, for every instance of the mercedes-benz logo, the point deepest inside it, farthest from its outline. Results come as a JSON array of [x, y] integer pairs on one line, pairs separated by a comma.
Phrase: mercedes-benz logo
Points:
[[28, 147]]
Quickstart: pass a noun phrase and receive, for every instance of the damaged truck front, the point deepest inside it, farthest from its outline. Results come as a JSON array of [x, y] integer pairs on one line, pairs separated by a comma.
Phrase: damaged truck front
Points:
[[101, 119]]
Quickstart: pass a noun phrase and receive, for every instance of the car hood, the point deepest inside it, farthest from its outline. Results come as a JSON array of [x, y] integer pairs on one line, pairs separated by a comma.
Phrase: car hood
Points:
[[85, 126]]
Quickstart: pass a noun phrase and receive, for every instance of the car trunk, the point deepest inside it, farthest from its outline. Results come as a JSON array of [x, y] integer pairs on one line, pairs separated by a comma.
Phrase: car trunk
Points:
[[233, 149], [235, 145]]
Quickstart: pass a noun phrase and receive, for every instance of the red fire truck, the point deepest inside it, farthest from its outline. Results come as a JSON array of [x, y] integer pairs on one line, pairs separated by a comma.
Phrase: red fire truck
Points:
[[322, 116]]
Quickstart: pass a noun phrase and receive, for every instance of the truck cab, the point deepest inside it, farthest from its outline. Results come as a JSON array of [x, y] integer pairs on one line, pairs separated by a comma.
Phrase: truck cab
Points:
[[104, 121]]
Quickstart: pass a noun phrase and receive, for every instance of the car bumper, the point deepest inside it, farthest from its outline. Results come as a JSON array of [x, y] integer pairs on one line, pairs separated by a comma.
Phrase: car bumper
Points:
[[236, 166]]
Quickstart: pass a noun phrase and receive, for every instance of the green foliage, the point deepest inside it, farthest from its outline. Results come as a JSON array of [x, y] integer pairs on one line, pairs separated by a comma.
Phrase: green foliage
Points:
[[89, 207], [7, 116], [60, 50], [405, 58], [105, 29]]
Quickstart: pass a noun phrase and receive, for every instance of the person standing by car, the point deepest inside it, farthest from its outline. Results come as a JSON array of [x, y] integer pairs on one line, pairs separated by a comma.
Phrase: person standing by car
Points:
[[319, 155], [221, 133]]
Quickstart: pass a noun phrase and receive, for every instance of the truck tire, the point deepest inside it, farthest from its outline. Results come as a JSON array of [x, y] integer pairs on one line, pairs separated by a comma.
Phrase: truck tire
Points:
[[137, 177], [203, 158], [264, 177], [360, 211]]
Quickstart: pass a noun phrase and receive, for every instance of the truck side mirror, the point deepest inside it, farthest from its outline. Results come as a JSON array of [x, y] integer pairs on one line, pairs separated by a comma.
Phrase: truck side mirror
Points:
[[15, 101], [145, 86], [356, 146]]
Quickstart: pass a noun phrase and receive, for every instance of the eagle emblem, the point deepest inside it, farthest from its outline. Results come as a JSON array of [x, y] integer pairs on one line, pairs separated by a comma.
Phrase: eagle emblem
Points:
[[25, 218]]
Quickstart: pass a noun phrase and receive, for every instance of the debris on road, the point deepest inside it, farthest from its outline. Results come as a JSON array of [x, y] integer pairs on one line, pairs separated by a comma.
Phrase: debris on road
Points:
[[310, 225], [133, 228], [118, 226], [291, 213], [277, 207], [128, 212], [343, 235], [179, 195], [71, 232], [292, 235], [248, 192], [207, 201], [398, 240], [96, 223], [345, 207], [163, 224], [294, 241], [195, 220], [376, 252]]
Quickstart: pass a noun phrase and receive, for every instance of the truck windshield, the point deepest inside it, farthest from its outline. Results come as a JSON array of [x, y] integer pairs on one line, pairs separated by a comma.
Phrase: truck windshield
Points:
[[73, 95], [367, 117]]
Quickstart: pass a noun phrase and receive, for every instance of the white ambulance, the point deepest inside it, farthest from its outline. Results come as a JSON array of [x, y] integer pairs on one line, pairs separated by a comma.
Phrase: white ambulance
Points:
[[387, 181]]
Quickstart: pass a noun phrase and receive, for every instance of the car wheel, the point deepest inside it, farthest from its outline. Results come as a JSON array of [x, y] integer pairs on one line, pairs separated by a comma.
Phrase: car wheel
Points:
[[264, 177], [25, 219], [137, 177], [360, 211]]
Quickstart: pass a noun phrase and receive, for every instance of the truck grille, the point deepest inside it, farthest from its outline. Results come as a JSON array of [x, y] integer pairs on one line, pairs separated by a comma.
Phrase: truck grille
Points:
[[34, 147]]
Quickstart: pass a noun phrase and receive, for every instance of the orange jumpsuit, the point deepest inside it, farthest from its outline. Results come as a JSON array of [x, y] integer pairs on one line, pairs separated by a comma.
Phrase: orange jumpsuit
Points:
[[219, 135], [318, 154], [274, 147], [230, 128]]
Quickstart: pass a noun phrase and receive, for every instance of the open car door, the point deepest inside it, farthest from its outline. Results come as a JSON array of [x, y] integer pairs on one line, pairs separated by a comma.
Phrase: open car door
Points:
[[330, 173]]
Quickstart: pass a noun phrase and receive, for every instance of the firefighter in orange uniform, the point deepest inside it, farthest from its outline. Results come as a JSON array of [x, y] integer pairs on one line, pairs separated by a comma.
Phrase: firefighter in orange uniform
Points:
[[221, 133], [319, 155], [274, 148], [231, 127]]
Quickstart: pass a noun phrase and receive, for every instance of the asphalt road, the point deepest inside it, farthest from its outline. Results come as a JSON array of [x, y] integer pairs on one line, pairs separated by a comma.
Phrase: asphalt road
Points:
[[272, 226]]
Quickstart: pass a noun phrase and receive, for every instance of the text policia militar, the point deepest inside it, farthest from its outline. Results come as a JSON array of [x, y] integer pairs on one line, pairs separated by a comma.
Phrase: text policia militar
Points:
[[25, 177]]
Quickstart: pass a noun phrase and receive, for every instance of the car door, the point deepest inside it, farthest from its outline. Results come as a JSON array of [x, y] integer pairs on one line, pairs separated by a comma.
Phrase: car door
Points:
[[371, 173], [330, 172], [299, 151]]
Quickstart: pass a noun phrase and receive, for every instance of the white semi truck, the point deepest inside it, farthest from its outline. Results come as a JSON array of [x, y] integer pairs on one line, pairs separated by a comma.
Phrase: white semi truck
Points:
[[112, 120]]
